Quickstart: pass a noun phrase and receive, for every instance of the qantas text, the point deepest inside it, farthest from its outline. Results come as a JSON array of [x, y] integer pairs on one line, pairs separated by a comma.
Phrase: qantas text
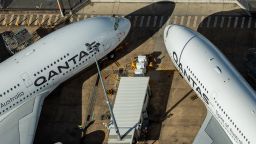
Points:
[[91, 47], [191, 81]]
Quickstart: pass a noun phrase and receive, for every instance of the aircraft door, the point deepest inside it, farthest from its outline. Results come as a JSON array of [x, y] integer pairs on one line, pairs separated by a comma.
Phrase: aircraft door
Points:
[[26, 79]]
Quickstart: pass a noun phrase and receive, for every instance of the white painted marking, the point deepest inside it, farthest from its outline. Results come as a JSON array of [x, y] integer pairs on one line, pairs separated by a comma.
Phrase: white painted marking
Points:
[[161, 21], [175, 20], [148, 21], [17, 20], [23, 22], [201, 20], [222, 22], [182, 19], [77, 18], [242, 25], [71, 19], [195, 21], [11, 19], [215, 21], [189, 17], [30, 19], [4, 22], [50, 20], [40, 19], [47, 19], [208, 22], [135, 21], [155, 20], [43, 19], [236, 21], [141, 21], [2, 19], [37, 20], [229, 21], [249, 22], [5, 19]]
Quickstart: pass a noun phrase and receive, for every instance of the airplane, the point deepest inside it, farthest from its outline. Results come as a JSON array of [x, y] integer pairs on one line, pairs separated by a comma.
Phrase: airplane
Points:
[[229, 99], [29, 76]]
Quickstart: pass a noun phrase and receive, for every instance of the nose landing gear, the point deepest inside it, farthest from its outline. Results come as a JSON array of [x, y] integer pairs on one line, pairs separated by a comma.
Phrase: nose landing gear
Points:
[[111, 55]]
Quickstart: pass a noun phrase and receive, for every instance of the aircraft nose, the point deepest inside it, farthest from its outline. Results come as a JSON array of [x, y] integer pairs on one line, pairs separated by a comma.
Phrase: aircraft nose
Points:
[[176, 38], [123, 25]]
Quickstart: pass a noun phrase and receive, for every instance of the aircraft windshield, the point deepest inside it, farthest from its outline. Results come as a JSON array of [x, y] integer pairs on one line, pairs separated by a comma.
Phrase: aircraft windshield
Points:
[[116, 24]]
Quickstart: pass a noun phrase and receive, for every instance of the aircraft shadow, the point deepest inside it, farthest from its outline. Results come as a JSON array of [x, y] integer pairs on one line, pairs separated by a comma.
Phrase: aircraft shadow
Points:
[[233, 33], [160, 85], [96, 137], [5, 3], [168, 112], [62, 109], [138, 35], [155, 59]]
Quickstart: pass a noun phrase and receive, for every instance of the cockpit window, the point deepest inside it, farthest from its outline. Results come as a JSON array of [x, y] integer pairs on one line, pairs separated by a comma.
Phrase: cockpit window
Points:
[[168, 31], [116, 24]]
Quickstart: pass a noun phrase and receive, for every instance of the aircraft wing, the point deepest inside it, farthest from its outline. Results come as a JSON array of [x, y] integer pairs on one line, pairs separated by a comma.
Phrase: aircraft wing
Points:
[[211, 132], [20, 125]]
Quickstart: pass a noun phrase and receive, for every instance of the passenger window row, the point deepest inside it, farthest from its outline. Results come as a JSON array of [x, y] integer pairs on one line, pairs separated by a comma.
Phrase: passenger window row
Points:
[[231, 121], [9, 90], [40, 88], [197, 80], [52, 64], [15, 103], [80, 63]]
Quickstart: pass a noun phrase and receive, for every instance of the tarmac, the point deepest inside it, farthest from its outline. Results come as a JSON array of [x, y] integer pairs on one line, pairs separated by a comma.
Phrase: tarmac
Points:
[[53, 18], [175, 112], [39, 4], [180, 8]]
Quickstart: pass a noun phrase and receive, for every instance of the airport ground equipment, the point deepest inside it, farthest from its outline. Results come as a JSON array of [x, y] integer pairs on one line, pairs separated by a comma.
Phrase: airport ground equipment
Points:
[[130, 109], [139, 65]]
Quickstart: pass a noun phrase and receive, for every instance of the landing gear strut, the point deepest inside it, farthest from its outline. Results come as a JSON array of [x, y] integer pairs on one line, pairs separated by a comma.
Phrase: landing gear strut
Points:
[[111, 55]]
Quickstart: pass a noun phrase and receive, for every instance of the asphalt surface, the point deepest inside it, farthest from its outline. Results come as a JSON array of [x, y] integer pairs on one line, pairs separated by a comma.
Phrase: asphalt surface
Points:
[[39, 4]]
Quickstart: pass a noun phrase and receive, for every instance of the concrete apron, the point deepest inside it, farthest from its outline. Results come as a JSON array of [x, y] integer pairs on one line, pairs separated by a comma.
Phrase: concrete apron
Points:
[[243, 5]]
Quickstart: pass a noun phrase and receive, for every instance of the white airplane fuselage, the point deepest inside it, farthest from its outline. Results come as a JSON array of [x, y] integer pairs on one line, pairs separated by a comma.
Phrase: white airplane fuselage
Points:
[[41, 67], [223, 90]]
